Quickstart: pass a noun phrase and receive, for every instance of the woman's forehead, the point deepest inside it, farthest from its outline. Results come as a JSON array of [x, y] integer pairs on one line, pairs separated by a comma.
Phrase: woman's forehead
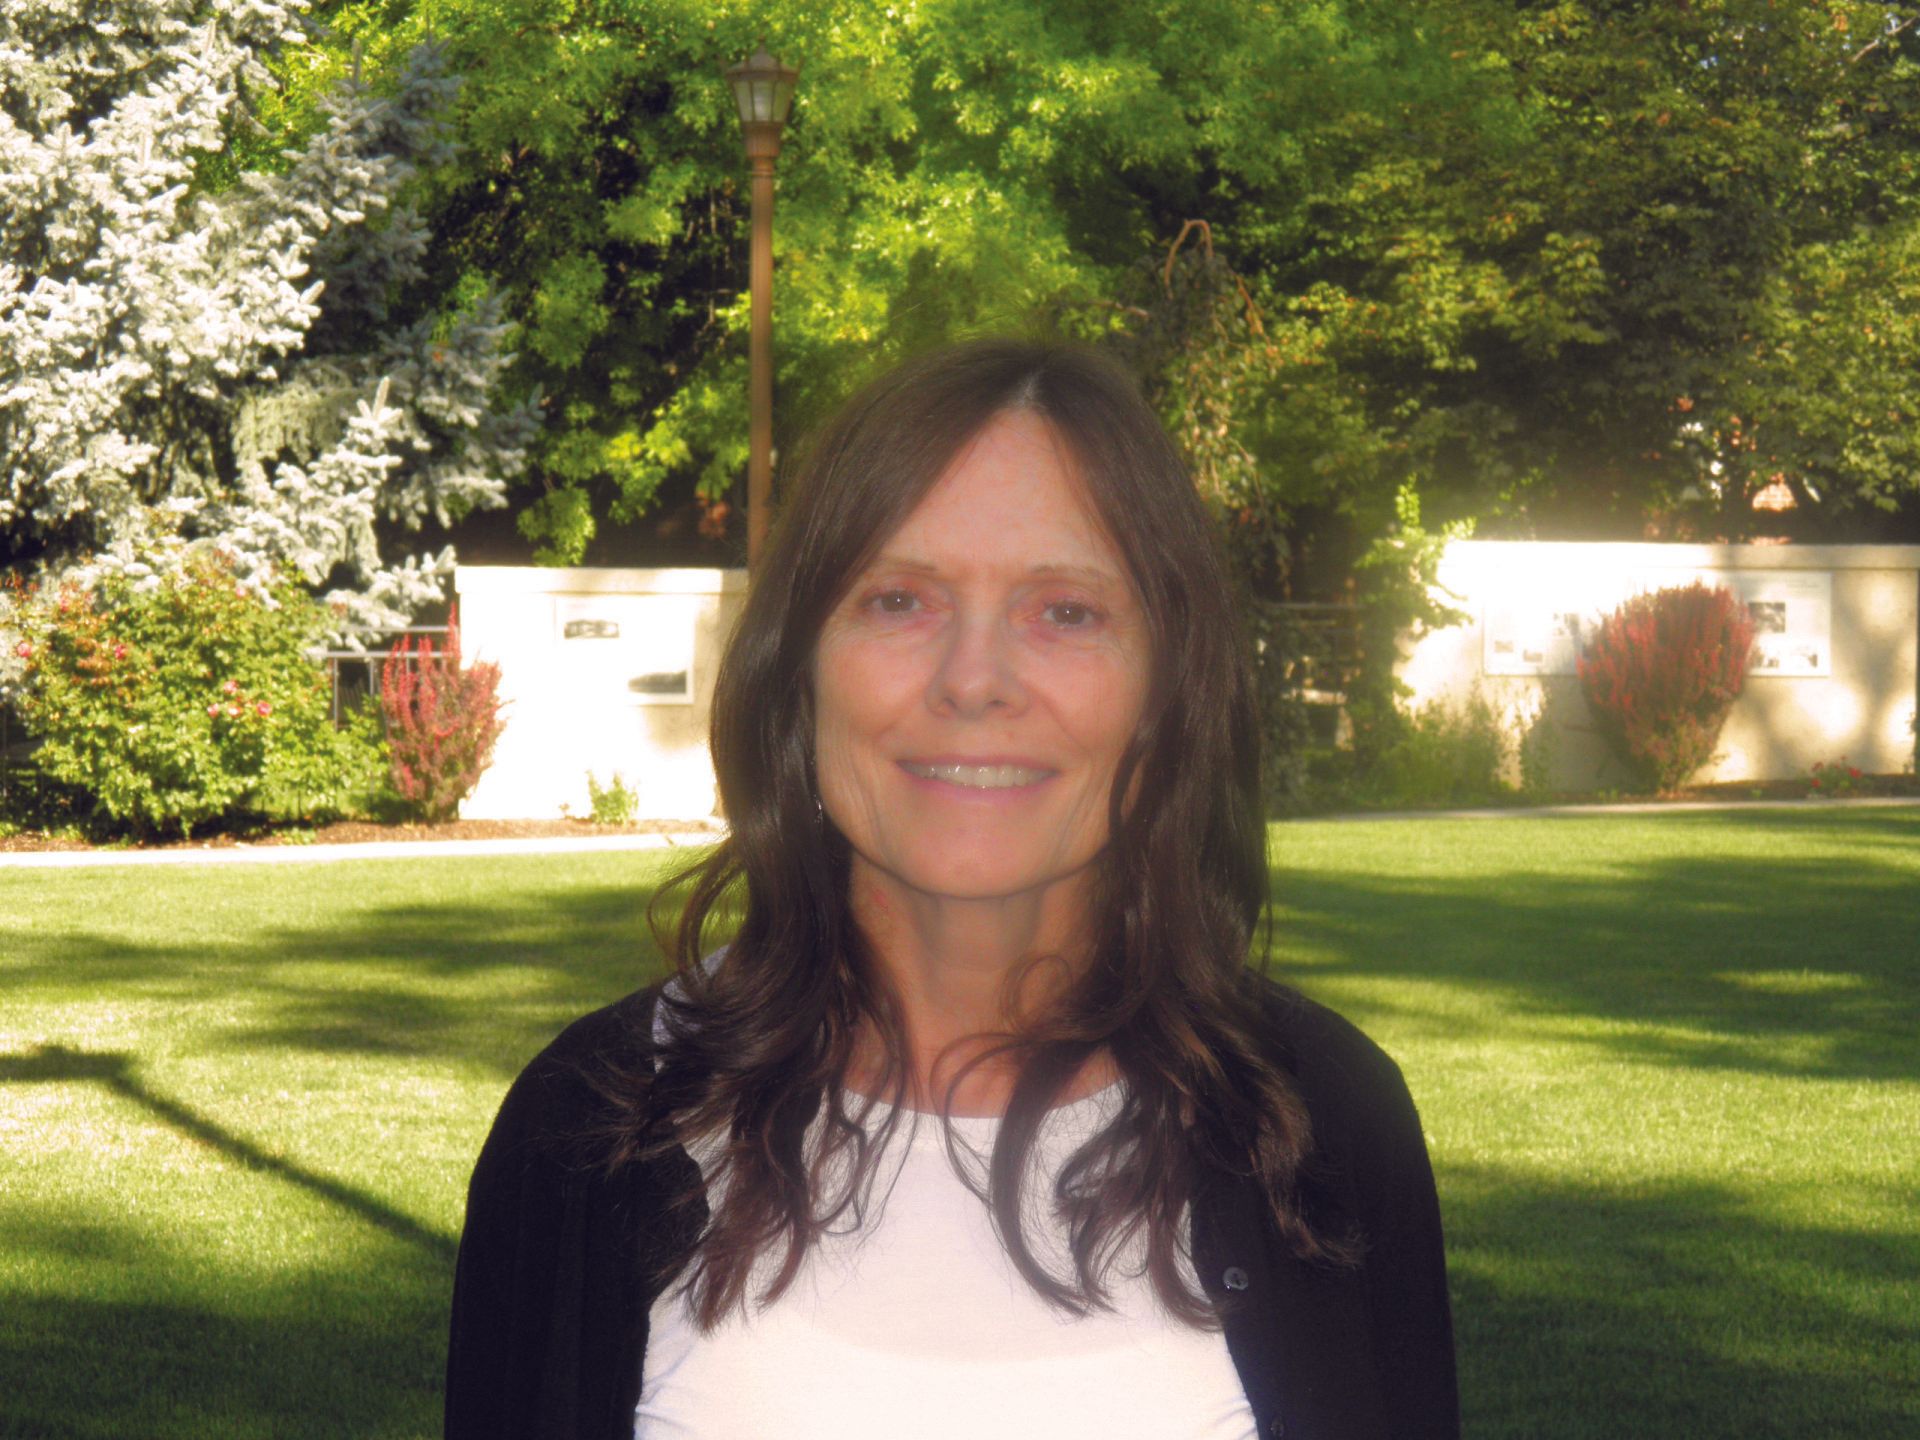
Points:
[[1012, 497]]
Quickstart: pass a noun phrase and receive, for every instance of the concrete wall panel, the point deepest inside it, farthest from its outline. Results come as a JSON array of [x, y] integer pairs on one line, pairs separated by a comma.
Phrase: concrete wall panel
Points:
[[1861, 708], [589, 660]]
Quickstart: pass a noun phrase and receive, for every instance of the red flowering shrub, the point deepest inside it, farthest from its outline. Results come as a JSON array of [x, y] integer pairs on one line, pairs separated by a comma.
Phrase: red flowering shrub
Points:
[[1661, 675], [442, 721]]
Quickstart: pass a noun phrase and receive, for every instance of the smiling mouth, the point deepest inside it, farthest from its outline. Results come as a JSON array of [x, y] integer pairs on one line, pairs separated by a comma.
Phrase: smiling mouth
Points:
[[977, 777]]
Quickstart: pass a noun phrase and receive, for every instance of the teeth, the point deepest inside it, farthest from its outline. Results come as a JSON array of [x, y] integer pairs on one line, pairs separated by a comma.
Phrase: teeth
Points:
[[980, 777]]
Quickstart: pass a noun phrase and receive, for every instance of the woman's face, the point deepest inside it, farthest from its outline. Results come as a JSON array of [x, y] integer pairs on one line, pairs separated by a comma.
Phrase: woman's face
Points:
[[975, 687]]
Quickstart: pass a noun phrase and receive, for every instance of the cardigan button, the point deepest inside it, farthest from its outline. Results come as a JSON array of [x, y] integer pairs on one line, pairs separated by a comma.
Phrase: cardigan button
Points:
[[1276, 1427], [1235, 1278]]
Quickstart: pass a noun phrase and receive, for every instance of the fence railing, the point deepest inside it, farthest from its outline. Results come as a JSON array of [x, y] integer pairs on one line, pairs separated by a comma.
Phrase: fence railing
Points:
[[1327, 650], [354, 675]]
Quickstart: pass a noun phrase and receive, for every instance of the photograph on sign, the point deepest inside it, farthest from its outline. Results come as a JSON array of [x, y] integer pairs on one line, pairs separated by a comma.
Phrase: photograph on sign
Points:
[[1792, 619]]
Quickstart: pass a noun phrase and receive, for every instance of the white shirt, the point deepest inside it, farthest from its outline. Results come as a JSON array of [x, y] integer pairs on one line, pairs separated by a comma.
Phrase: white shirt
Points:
[[919, 1326]]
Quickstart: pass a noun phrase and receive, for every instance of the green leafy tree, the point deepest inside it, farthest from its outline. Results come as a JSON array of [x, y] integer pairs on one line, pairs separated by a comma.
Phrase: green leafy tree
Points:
[[1532, 261], [950, 166], [1702, 189]]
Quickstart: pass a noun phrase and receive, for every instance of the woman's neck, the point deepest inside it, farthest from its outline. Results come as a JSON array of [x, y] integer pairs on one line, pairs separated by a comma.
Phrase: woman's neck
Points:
[[953, 964]]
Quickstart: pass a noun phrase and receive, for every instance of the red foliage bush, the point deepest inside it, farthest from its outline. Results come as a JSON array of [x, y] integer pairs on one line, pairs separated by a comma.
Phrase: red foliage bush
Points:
[[442, 721], [1661, 675]]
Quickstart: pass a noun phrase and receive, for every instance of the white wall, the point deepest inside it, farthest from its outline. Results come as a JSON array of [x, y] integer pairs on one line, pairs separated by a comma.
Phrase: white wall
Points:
[[590, 661], [1844, 666]]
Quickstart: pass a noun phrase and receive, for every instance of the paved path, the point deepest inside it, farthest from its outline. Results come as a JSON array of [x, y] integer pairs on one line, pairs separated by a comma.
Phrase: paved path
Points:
[[1631, 807], [368, 850]]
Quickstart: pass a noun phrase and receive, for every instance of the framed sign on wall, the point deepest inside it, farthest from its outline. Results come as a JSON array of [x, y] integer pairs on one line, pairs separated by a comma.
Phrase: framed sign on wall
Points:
[[635, 648], [1541, 625]]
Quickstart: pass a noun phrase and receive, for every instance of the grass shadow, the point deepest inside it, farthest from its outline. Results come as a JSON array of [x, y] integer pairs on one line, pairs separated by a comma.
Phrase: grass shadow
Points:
[[475, 980], [116, 1072], [1586, 1312], [1766, 963], [314, 1357]]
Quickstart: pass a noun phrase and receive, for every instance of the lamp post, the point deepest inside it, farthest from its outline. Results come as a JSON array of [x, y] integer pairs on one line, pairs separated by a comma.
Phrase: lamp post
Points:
[[763, 89]]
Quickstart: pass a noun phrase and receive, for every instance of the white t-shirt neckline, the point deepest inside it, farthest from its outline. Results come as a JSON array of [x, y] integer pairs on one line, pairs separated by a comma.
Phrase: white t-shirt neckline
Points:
[[918, 1324]]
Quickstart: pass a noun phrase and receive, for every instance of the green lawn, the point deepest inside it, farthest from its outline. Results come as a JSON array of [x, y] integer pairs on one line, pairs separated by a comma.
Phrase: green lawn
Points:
[[1670, 1073], [1670, 1070]]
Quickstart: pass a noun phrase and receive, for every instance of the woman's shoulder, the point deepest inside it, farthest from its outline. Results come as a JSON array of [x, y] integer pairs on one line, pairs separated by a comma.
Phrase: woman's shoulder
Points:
[[565, 1090], [1307, 1033], [1354, 1091], [620, 1033]]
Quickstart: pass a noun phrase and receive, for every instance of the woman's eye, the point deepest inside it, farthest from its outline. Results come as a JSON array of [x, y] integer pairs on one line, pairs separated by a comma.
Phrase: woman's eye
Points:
[[895, 602], [1072, 614]]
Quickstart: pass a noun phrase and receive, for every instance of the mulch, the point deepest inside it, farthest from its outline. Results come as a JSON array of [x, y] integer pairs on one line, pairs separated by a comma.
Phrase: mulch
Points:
[[355, 832]]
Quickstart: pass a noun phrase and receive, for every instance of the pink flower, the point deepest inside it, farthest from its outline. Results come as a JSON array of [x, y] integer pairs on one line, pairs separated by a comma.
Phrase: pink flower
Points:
[[234, 710], [119, 652], [23, 650], [213, 710], [264, 708], [231, 686]]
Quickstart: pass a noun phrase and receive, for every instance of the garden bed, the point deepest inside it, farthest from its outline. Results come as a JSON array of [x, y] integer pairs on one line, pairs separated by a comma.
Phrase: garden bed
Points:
[[1861, 787], [1853, 788], [354, 832]]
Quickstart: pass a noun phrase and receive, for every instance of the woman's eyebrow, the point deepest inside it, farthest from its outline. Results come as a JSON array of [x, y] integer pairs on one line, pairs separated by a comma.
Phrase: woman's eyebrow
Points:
[[1047, 570]]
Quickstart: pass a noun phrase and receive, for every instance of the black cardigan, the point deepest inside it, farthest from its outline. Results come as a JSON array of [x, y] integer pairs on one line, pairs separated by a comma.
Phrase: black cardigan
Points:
[[550, 1305]]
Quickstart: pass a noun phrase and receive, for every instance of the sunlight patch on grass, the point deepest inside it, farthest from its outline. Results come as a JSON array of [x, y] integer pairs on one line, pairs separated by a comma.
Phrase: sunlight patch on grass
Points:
[[1794, 982]]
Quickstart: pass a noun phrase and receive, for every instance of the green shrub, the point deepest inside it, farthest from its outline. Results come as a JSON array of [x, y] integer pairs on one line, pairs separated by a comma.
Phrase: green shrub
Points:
[[1400, 598], [178, 702], [369, 784], [1661, 674], [1440, 754], [1536, 748], [32, 801], [613, 803], [1280, 656]]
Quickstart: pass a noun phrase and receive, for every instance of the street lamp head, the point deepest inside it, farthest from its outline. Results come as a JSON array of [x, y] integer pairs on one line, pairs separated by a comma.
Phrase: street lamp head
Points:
[[763, 89]]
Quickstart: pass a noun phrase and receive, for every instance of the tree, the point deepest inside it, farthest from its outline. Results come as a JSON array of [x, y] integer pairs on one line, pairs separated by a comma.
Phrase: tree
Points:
[[1527, 261], [1714, 181], [180, 363], [951, 166]]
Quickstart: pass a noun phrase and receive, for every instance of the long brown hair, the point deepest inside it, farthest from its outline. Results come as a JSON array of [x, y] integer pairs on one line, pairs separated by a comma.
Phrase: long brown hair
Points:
[[759, 1038]]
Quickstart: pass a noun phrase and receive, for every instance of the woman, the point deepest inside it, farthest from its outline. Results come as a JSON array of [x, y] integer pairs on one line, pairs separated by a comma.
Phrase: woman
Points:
[[978, 1124]]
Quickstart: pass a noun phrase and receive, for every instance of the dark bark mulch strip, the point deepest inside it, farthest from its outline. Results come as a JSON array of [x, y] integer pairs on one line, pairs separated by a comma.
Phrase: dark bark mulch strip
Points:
[[355, 832]]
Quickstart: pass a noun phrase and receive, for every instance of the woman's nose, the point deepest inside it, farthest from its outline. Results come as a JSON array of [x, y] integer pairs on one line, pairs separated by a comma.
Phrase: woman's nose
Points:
[[977, 671]]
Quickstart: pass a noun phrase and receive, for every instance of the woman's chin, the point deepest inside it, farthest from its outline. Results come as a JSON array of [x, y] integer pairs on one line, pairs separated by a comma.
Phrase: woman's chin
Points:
[[993, 874]]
